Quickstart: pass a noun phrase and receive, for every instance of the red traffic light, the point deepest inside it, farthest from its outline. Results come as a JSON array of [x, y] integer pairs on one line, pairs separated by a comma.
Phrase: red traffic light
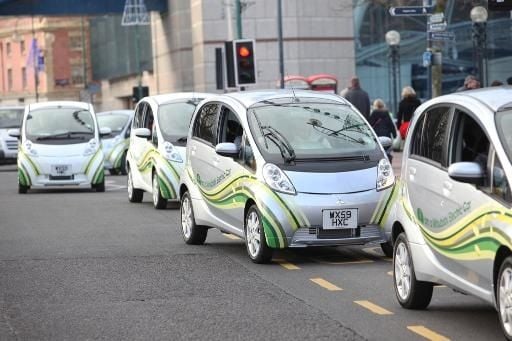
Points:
[[244, 52]]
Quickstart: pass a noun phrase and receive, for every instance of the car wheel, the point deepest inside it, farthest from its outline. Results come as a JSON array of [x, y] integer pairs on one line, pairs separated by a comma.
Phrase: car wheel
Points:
[[123, 168], [411, 293], [504, 299], [99, 187], [387, 248], [192, 234], [22, 189], [113, 171], [159, 202], [255, 241], [134, 194]]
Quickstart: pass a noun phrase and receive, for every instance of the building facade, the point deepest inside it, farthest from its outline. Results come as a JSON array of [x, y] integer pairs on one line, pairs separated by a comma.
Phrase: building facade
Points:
[[43, 58]]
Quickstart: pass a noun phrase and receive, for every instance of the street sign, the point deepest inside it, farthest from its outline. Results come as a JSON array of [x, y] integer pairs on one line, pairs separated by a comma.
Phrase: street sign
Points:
[[436, 18], [427, 58], [437, 27], [410, 10], [443, 36]]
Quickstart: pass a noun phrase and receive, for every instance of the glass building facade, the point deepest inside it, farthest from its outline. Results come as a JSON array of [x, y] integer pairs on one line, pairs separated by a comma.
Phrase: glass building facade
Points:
[[459, 56]]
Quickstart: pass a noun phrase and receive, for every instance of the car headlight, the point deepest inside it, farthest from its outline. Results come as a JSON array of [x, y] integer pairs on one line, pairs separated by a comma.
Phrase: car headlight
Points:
[[28, 146], [385, 176], [171, 153], [91, 148], [277, 179]]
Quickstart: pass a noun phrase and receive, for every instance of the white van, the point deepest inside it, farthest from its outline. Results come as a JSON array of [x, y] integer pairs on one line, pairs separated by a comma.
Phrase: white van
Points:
[[10, 117], [60, 146]]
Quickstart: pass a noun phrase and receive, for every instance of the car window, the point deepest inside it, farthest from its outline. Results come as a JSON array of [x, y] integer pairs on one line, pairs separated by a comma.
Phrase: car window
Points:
[[429, 136], [138, 120], [470, 143], [11, 118], [230, 128], [174, 119], [504, 127], [247, 154], [500, 186], [205, 125], [116, 122]]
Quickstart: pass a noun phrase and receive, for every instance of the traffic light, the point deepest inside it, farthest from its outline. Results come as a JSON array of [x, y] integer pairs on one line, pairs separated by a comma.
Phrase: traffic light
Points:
[[245, 62], [500, 5], [139, 92]]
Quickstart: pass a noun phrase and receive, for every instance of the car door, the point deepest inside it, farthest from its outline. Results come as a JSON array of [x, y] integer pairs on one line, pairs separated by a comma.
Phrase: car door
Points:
[[426, 170], [137, 145], [147, 165]]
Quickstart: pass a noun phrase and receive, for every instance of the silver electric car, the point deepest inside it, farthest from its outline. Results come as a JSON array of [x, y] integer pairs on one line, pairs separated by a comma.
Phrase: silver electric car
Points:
[[115, 145], [284, 169], [451, 221]]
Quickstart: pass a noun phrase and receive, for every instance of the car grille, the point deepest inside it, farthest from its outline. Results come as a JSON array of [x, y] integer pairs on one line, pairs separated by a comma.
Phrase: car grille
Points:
[[61, 177], [341, 233], [12, 144]]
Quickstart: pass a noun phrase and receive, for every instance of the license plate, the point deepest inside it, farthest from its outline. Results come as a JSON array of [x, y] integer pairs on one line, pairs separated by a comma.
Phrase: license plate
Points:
[[340, 219], [60, 169]]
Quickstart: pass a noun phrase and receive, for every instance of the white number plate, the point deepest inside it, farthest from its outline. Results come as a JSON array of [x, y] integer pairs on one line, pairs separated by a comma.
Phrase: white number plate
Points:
[[60, 169], [340, 219]]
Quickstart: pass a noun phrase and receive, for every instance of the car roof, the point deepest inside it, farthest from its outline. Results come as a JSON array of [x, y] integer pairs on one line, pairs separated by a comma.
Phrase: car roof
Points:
[[496, 98], [126, 112], [249, 98], [53, 104], [10, 107], [166, 98]]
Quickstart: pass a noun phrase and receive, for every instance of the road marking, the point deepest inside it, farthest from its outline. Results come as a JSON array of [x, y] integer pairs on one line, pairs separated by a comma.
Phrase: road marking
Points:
[[373, 308], [390, 273], [343, 263], [286, 265], [230, 236], [427, 333], [325, 284]]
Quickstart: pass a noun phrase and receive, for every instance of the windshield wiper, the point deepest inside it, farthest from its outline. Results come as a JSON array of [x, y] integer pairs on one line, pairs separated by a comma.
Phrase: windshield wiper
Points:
[[281, 142], [260, 127], [66, 135], [337, 133]]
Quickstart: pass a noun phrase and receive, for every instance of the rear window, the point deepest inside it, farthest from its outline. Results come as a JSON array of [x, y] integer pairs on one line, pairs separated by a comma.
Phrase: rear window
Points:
[[10, 118], [116, 122], [174, 119]]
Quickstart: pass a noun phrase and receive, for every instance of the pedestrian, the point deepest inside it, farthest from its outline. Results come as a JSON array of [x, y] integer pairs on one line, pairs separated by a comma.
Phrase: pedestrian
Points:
[[382, 124], [406, 109], [496, 83], [470, 83], [357, 96]]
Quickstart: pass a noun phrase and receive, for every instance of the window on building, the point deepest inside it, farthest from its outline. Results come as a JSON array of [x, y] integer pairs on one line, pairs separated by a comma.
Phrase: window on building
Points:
[[9, 79], [77, 74], [8, 49], [22, 46], [75, 42], [24, 77]]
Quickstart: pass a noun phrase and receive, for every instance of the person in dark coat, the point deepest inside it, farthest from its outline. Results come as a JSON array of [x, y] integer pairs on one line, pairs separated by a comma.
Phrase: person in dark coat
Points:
[[406, 109], [382, 124], [357, 96]]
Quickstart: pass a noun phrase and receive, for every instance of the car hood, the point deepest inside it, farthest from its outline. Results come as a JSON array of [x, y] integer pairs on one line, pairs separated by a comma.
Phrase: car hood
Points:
[[330, 183], [60, 150]]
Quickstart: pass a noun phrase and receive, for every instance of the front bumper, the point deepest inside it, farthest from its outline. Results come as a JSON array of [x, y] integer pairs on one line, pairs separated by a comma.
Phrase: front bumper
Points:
[[362, 235]]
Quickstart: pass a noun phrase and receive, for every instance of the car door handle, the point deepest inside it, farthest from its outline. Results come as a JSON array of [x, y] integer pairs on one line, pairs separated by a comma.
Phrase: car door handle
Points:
[[193, 150], [412, 173]]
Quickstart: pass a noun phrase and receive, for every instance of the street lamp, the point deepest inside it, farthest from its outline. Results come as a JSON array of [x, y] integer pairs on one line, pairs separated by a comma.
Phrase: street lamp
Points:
[[393, 41], [479, 18]]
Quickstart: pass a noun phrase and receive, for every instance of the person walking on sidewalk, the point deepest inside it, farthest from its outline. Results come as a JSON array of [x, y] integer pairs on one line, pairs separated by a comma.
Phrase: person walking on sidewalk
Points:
[[406, 109], [357, 96], [382, 124]]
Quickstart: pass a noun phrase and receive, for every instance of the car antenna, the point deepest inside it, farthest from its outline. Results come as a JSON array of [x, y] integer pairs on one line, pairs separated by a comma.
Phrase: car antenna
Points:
[[295, 99]]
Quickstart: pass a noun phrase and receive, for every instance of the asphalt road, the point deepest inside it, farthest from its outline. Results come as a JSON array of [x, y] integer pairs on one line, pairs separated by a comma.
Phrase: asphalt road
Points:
[[79, 265]]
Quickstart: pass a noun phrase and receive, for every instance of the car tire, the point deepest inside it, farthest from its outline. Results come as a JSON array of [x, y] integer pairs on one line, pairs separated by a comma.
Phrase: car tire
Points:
[[411, 293], [159, 202], [123, 168], [22, 189], [255, 241], [113, 171], [134, 194], [192, 233], [99, 187], [387, 248], [504, 297]]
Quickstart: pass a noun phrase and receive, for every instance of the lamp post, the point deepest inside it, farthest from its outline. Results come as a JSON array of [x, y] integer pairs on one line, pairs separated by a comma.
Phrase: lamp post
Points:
[[479, 18], [393, 41]]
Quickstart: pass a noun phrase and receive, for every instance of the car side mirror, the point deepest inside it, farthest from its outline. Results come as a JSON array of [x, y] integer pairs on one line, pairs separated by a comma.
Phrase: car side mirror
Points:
[[14, 133], [144, 133], [228, 149], [104, 131], [385, 141], [469, 172]]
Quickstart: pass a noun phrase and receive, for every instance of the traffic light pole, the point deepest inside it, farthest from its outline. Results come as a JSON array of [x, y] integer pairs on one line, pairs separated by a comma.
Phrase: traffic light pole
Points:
[[280, 39], [238, 11]]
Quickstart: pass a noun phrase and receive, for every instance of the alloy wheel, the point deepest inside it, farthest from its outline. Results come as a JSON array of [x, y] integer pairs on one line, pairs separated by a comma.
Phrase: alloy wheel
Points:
[[130, 185], [402, 271], [156, 189], [186, 217], [505, 299], [253, 234]]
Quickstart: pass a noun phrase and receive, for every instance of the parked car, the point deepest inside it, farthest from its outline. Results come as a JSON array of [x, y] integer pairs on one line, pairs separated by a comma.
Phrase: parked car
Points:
[[60, 146], [157, 145], [10, 117], [115, 145], [451, 221], [284, 169]]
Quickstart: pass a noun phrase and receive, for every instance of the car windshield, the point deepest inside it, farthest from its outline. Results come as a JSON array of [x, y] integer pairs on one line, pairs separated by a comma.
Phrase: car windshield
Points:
[[310, 129], [59, 125], [116, 122], [10, 118], [174, 119], [504, 126]]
